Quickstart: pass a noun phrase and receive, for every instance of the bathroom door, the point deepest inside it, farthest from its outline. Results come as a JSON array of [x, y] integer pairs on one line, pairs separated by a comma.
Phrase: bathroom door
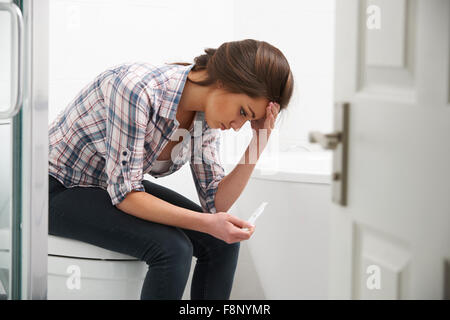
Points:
[[392, 239], [24, 145]]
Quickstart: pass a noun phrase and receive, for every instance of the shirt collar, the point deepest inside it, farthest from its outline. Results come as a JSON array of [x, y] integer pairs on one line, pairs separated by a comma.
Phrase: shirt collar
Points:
[[173, 88], [177, 77]]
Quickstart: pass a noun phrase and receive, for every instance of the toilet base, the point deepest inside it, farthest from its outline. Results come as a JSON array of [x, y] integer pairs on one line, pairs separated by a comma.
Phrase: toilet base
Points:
[[92, 279]]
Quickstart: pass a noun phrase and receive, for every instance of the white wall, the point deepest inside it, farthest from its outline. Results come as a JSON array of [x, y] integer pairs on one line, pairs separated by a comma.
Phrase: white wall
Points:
[[303, 31], [86, 37]]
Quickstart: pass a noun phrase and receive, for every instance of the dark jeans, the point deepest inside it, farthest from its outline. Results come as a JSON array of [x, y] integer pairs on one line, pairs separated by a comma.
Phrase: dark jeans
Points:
[[86, 214]]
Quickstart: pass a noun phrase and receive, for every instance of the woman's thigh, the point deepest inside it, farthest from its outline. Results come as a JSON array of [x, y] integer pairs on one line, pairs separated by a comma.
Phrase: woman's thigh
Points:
[[202, 242], [86, 214]]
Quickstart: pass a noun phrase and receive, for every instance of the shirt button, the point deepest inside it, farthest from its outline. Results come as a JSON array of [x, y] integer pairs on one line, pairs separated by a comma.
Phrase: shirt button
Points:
[[124, 162], [124, 153]]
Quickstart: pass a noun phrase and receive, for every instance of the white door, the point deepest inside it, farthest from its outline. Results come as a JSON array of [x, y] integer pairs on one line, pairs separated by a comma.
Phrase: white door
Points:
[[392, 239]]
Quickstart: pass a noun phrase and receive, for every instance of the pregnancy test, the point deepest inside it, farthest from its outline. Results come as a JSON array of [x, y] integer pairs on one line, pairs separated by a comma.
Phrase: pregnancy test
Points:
[[256, 214]]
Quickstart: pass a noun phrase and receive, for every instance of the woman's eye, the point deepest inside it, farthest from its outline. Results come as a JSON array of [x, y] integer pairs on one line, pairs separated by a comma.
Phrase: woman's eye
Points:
[[243, 112]]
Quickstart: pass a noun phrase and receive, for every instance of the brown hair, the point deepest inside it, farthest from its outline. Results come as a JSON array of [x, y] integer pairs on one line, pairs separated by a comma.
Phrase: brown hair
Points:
[[255, 68]]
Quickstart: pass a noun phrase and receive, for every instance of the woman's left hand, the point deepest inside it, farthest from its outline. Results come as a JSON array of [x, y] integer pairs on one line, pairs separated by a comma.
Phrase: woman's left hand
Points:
[[268, 122]]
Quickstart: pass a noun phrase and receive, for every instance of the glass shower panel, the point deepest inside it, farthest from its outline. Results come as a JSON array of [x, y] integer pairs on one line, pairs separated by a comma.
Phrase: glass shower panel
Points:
[[11, 30], [5, 209]]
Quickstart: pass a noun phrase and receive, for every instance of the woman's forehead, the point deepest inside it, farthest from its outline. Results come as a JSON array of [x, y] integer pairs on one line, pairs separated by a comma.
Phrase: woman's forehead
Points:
[[257, 106]]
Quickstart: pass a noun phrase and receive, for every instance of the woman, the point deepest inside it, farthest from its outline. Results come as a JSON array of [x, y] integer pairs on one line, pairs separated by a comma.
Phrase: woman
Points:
[[125, 123]]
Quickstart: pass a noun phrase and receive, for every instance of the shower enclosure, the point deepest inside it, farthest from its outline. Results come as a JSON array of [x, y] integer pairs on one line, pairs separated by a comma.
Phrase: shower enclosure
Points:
[[24, 149]]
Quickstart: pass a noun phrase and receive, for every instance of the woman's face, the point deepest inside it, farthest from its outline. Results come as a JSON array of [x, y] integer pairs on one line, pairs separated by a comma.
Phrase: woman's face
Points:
[[226, 110]]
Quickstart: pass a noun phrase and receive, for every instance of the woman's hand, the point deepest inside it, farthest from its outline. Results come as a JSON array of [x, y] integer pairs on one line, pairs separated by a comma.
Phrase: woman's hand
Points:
[[228, 228], [268, 122]]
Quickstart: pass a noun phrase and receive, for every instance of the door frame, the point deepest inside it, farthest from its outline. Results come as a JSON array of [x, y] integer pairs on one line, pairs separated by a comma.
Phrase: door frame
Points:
[[35, 151]]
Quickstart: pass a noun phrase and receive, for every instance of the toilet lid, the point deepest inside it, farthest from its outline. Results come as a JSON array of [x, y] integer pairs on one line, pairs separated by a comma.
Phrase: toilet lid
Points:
[[77, 249]]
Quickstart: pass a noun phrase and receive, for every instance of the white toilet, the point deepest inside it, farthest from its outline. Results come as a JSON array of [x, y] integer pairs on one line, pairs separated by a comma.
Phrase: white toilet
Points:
[[78, 270]]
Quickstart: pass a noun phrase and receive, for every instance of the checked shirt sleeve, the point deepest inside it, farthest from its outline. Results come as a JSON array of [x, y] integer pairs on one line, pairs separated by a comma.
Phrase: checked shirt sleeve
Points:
[[127, 113], [207, 170]]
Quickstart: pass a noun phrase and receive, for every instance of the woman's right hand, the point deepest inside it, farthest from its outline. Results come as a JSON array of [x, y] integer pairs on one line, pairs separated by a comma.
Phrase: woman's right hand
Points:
[[228, 228]]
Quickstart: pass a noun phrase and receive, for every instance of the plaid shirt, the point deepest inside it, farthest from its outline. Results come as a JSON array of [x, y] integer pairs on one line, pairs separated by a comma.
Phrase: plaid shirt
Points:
[[115, 128]]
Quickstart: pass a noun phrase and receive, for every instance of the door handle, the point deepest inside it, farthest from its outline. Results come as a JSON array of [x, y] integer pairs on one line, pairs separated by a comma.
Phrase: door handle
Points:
[[16, 15], [338, 142], [328, 141]]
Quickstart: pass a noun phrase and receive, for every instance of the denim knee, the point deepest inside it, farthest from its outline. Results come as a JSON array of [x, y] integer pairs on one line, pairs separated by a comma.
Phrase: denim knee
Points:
[[169, 260], [232, 250], [180, 250], [176, 250]]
